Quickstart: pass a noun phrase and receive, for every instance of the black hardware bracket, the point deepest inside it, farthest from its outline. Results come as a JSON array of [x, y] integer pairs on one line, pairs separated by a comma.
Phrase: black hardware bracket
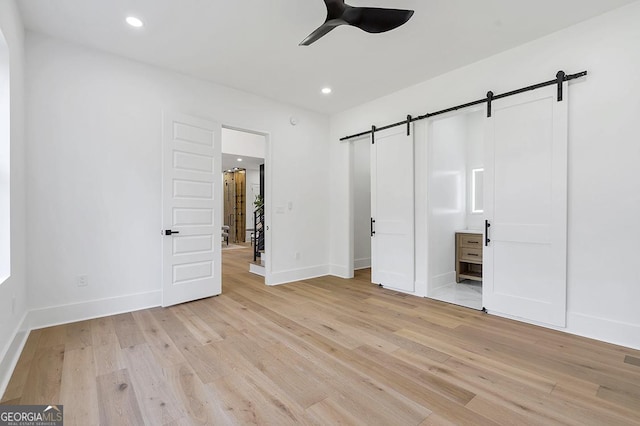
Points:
[[373, 135], [170, 232], [560, 78], [409, 120], [489, 100], [373, 229]]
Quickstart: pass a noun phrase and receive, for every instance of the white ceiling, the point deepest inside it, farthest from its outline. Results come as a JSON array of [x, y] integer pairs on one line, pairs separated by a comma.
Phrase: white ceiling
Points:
[[252, 45]]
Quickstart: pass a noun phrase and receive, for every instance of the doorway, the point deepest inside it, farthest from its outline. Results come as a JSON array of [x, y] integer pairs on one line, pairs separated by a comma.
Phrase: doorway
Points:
[[243, 164], [455, 146], [196, 152], [361, 199], [234, 184]]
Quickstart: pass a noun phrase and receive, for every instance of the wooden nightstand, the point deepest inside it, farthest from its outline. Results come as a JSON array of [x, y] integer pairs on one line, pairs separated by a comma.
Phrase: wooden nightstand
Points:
[[468, 256]]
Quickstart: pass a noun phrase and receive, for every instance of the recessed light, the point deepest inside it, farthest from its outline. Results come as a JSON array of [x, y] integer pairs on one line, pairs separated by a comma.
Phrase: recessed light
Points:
[[239, 159], [134, 22], [326, 90]]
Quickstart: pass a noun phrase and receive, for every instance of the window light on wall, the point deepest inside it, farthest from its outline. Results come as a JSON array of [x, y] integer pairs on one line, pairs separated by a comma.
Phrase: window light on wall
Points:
[[477, 191]]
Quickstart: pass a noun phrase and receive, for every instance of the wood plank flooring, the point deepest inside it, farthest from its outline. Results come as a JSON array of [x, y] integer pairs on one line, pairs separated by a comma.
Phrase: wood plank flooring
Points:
[[322, 352]]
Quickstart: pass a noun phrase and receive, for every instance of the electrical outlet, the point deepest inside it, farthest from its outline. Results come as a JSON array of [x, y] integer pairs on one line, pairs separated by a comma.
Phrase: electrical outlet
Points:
[[82, 280]]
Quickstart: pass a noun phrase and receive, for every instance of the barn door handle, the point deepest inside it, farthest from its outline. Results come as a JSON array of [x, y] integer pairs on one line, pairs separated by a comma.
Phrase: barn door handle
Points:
[[487, 225], [373, 227], [170, 232]]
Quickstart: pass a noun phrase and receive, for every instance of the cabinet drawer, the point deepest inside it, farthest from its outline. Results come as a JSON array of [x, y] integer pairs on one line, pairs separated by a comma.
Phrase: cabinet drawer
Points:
[[471, 240], [471, 254]]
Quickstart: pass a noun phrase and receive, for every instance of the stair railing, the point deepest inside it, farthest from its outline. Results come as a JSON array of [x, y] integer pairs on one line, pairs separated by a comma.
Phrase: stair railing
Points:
[[258, 231]]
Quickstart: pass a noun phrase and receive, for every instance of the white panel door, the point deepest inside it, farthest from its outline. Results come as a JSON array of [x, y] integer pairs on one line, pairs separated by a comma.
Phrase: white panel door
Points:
[[525, 262], [191, 212], [392, 209]]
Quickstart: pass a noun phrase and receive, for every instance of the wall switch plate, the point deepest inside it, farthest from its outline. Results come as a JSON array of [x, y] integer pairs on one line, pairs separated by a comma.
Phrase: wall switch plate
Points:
[[82, 280]]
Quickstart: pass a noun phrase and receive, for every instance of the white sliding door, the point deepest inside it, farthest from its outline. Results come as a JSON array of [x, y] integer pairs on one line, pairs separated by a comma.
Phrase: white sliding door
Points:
[[392, 209], [191, 211], [526, 206]]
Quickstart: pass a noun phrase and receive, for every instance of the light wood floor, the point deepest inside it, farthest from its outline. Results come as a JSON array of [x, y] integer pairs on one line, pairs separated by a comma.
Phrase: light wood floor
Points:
[[324, 351]]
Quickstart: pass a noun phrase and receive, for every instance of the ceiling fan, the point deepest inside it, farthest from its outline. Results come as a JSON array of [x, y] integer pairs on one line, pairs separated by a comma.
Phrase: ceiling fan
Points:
[[369, 19]]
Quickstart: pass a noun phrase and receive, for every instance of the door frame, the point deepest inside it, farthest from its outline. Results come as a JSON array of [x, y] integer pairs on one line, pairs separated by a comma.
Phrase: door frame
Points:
[[428, 289], [352, 206], [268, 183], [268, 188]]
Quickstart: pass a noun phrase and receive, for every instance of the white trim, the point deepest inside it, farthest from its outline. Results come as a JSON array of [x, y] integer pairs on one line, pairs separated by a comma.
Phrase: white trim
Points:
[[601, 329], [64, 314], [442, 280], [606, 330], [292, 275], [268, 183], [341, 271], [362, 263], [11, 354], [411, 293], [257, 269]]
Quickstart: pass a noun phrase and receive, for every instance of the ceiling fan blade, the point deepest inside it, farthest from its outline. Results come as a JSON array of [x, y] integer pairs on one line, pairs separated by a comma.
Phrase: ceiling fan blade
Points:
[[335, 8], [321, 31], [376, 20]]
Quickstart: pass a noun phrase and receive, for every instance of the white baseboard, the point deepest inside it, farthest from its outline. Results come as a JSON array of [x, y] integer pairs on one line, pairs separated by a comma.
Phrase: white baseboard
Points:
[[257, 269], [362, 263], [12, 354], [616, 332], [421, 288], [283, 277], [340, 271], [441, 280], [63, 314], [604, 330]]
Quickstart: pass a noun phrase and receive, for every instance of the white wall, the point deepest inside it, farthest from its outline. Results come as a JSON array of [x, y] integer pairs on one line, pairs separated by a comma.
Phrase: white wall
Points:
[[475, 159], [604, 188], [94, 177], [5, 162], [446, 196], [362, 203], [13, 291], [243, 143]]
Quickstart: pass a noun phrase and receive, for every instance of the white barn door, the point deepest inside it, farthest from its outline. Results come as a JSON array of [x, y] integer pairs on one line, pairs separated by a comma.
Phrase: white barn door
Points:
[[392, 210], [525, 261], [191, 211]]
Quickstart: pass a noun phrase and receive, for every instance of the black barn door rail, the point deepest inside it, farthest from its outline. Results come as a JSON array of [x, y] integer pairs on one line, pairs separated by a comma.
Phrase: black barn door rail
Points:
[[561, 77]]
